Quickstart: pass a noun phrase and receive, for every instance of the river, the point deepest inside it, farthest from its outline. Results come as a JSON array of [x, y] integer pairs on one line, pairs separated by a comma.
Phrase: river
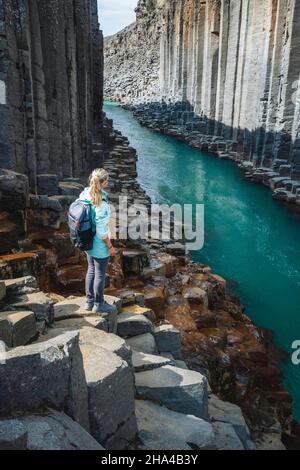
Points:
[[251, 240]]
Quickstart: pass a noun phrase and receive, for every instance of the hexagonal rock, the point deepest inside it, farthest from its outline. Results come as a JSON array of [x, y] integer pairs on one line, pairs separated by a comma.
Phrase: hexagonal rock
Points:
[[142, 361], [74, 308], [180, 390], [137, 310], [17, 328], [20, 285], [134, 261], [2, 290], [77, 323], [13, 435], [163, 429], [110, 383], [133, 325], [225, 412], [57, 431], [130, 297], [168, 339], [143, 343], [170, 263], [197, 296], [38, 303], [36, 366], [109, 342], [155, 299]]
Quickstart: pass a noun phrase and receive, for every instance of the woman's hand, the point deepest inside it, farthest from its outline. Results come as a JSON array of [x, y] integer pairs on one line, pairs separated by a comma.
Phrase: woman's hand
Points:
[[112, 251]]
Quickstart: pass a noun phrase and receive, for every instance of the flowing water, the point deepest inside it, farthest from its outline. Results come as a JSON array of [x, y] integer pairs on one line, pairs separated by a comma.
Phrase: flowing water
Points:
[[251, 240]]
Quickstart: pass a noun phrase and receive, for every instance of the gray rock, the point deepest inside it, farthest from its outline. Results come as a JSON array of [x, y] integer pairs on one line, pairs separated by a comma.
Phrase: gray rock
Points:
[[57, 431], [21, 285], [36, 366], [180, 390], [74, 308], [133, 325], [226, 437], [13, 435], [143, 343], [78, 323], [142, 361], [47, 184], [197, 296], [138, 310], [168, 339], [110, 342], [269, 441], [68, 188], [38, 303], [2, 290], [110, 385], [163, 429], [17, 328], [225, 412]]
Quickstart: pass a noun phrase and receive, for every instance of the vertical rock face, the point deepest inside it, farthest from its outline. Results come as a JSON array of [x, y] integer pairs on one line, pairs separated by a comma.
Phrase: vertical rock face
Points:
[[236, 61], [50, 85]]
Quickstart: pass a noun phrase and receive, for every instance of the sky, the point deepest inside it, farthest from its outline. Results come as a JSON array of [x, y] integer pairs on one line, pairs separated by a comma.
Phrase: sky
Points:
[[114, 15]]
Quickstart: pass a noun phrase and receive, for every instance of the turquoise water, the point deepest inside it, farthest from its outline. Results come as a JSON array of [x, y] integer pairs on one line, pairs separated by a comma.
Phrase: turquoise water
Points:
[[249, 239]]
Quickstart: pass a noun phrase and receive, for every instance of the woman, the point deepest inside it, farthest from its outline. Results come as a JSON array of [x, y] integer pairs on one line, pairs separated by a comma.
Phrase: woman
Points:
[[102, 249]]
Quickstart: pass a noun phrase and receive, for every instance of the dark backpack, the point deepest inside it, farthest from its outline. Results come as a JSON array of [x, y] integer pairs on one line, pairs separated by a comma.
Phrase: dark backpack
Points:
[[81, 226]]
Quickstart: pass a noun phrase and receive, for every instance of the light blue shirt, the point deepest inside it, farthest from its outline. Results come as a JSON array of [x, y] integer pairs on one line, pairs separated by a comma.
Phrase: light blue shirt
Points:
[[101, 221]]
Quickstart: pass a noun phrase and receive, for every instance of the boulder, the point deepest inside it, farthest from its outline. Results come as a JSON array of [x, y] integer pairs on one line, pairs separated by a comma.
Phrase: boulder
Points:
[[163, 429], [69, 188], [134, 261], [57, 431], [14, 190], [133, 325], [226, 437], [110, 385], [224, 412], [143, 343], [130, 297], [180, 390], [142, 361], [39, 364], [13, 435], [137, 310], [168, 339], [17, 328], [37, 302], [155, 299]]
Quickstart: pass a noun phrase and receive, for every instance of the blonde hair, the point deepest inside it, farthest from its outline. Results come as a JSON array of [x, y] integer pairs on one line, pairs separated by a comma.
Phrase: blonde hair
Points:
[[96, 181]]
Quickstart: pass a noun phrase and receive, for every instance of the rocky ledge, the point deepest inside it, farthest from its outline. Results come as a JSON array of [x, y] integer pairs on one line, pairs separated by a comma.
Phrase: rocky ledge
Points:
[[179, 343], [179, 121]]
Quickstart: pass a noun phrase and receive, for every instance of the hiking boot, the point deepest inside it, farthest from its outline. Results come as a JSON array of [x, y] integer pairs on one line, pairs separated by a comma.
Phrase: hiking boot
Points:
[[88, 307], [104, 307]]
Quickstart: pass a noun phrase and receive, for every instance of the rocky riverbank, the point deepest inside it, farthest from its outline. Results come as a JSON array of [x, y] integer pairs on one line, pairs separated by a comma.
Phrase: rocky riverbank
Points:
[[175, 319], [179, 121]]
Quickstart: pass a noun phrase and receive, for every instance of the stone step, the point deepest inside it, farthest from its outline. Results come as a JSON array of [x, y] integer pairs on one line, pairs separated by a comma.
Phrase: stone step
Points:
[[168, 340], [129, 325], [21, 285], [67, 188], [142, 362], [163, 429], [180, 390], [137, 310], [17, 328]]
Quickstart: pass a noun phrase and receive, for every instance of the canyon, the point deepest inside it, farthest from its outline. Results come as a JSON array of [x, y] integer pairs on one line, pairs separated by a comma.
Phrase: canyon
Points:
[[179, 343], [217, 71]]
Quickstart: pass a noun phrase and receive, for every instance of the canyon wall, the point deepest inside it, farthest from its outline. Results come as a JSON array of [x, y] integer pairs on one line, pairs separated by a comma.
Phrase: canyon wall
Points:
[[50, 86], [237, 62]]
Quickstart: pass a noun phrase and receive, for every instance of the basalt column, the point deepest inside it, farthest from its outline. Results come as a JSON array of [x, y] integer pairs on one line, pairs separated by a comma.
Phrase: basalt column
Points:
[[50, 86]]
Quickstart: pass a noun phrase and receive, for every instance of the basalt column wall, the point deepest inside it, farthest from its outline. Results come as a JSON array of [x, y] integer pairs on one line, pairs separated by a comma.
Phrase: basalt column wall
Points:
[[237, 62], [50, 86]]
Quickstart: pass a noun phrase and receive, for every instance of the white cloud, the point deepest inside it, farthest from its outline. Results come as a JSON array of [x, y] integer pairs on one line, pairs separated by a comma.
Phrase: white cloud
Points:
[[114, 15]]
